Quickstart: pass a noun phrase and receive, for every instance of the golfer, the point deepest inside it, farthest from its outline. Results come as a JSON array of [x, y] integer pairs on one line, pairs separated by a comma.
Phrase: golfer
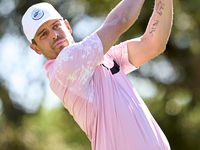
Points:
[[89, 76]]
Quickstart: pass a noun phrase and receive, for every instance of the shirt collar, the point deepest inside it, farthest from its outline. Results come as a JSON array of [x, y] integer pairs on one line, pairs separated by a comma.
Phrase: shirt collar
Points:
[[48, 64]]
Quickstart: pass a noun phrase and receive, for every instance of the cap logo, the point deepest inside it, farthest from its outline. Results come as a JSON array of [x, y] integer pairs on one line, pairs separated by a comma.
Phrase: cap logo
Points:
[[37, 14]]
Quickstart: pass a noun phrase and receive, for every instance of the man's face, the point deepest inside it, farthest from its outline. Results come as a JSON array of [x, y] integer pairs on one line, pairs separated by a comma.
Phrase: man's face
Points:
[[52, 37]]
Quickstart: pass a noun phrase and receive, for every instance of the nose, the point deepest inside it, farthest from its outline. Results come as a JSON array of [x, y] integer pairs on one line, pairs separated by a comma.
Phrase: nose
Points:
[[54, 35]]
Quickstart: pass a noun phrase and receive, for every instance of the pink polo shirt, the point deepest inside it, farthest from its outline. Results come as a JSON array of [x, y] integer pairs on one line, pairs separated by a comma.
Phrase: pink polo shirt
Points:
[[106, 106]]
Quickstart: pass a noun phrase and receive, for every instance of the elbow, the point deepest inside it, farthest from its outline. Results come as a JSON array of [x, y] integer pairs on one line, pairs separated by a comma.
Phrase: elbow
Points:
[[161, 46], [158, 49], [121, 23], [158, 45]]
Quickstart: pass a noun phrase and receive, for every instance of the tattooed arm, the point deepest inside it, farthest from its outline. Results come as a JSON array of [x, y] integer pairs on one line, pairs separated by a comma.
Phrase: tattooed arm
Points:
[[154, 40]]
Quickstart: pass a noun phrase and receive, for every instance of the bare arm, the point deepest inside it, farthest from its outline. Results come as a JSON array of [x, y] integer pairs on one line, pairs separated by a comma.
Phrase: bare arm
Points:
[[118, 21], [155, 38]]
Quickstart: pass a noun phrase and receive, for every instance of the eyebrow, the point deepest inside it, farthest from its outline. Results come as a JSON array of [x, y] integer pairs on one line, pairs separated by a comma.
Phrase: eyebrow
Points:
[[40, 32], [44, 28]]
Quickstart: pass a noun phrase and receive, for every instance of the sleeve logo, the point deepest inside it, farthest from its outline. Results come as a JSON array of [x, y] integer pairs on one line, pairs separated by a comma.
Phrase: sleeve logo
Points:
[[37, 14]]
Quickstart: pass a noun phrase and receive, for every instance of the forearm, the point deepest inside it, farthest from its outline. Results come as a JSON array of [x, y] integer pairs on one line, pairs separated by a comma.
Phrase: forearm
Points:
[[118, 21], [127, 11], [155, 38], [159, 27]]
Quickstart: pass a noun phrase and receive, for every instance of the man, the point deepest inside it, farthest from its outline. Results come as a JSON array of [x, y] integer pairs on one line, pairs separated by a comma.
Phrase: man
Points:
[[89, 76]]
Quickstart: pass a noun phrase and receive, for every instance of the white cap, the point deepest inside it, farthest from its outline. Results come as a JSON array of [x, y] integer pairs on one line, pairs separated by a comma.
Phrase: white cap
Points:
[[35, 16]]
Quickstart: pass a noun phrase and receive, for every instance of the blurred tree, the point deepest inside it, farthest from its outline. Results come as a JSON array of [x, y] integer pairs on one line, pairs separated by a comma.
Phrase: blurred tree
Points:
[[10, 120]]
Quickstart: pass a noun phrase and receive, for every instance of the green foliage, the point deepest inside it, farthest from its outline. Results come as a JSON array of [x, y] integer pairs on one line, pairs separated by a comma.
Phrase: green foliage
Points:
[[56, 130], [46, 130]]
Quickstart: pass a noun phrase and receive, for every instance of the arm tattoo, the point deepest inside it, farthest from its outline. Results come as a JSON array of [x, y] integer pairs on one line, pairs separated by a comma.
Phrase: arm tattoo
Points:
[[160, 8], [159, 11], [153, 28]]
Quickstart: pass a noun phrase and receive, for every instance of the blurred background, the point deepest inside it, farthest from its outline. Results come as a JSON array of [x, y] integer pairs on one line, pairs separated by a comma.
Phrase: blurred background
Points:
[[33, 118]]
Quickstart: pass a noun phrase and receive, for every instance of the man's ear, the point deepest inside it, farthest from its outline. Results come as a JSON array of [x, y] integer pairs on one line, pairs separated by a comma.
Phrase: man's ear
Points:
[[68, 26], [35, 48]]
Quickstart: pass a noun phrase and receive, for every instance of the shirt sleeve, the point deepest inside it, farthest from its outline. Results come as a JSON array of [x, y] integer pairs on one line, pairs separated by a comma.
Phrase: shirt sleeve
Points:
[[119, 53], [75, 64]]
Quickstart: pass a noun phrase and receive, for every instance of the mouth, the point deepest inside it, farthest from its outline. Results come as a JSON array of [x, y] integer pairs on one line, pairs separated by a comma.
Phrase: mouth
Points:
[[59, 43]]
